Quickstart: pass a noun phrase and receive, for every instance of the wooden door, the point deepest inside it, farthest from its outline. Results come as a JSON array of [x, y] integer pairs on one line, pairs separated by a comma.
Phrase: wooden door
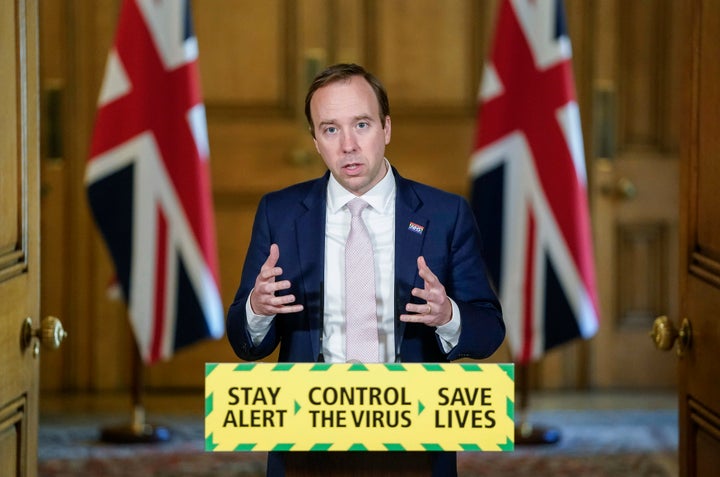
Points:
[[19, 241], [634, 189], [699, 320]]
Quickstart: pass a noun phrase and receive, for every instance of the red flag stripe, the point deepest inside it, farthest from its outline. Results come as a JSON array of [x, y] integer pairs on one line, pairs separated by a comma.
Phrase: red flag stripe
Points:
[[528, 325], [158, 331]]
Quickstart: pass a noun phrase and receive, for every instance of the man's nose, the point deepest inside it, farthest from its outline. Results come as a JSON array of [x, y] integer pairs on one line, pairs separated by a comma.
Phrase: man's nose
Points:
[[348, 143]]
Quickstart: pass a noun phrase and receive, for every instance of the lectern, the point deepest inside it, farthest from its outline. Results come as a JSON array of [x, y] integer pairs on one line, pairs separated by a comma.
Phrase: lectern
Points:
[[355, 419]]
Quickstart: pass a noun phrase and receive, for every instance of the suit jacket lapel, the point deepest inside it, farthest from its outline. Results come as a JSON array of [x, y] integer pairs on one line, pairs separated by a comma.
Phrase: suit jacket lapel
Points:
[[410, 229], [310, 230]]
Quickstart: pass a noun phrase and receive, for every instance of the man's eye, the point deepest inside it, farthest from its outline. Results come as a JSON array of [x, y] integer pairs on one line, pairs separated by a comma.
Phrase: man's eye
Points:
[[331, 130], [362, 125]]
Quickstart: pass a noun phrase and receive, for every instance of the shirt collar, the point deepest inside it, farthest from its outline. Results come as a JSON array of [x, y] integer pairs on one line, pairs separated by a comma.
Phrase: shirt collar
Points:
[[380, 197]]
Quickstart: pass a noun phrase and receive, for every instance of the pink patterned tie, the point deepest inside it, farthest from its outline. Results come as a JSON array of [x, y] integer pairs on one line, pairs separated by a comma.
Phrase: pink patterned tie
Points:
[[360, 305]]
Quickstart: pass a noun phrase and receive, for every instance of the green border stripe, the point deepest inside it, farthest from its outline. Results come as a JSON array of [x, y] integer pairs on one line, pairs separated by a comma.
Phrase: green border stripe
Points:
[[357, 367], [394, 447], [321, 367], [510, 409], [245, 446], [509, 369], [321, 446], [209, 368], [470, 447], [244, 367], [283, 367], [208, 404], [508, 446], [471, 367], [358, 446], [432, 447], [395, 367], [433, 367], [209, 444], [283, 447]]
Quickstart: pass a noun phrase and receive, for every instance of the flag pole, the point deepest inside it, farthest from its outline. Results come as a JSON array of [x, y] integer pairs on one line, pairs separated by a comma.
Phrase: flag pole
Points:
[[527, 433], [138, 431]]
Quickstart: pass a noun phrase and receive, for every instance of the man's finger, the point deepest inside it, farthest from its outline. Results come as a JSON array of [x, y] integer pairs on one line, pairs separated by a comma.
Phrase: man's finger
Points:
[[274, 256], [270, 273], [424, 271], [288, 309]]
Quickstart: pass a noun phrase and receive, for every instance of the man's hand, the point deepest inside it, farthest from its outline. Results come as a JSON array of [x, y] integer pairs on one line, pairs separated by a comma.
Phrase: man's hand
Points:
[[263, 300], [437, 310]]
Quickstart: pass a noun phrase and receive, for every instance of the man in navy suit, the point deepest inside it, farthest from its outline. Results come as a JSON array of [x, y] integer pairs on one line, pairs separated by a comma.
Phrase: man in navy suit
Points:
[[434, 299]]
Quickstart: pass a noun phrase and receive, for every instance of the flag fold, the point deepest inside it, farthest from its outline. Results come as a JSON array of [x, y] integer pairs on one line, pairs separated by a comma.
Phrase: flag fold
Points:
[[148, 182], [529, 185]]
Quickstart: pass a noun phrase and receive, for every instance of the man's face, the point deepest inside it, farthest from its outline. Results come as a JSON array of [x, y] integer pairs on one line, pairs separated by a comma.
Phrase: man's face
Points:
[[349, 133]]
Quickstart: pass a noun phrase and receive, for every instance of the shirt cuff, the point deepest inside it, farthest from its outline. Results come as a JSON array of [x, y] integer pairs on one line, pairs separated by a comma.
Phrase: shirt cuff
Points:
[[449, 333], [257, 325]]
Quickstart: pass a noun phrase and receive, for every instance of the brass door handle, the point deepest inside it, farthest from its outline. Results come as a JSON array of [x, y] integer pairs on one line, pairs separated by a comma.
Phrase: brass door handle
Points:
[[665, 335], [50, 334], [623, 189]]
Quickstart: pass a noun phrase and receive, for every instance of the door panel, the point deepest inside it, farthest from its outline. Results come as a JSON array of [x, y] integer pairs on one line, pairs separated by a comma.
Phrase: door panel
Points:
[[699, 387], [19, 241], [635, 187]]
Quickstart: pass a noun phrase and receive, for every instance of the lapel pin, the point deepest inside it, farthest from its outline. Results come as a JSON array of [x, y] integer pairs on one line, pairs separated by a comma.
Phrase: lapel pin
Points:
[[418, 229]]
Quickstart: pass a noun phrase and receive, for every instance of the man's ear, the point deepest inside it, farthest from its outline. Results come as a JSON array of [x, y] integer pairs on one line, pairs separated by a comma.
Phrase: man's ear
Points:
[[388, 129]]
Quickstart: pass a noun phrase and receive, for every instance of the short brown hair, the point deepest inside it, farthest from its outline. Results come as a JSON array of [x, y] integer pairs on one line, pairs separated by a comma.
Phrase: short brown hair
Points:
[[343, 72]]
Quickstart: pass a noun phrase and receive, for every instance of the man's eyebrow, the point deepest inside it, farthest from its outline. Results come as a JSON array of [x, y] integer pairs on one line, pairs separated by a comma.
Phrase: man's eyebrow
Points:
[[326, 122], [362, 117]]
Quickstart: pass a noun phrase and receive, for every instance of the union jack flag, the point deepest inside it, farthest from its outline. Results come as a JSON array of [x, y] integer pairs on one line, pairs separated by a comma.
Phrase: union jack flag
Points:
[[148, 179], [529, 189]]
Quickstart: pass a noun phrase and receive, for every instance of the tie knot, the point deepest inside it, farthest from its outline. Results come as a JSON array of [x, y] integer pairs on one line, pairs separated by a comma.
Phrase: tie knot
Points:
[[356, 206]]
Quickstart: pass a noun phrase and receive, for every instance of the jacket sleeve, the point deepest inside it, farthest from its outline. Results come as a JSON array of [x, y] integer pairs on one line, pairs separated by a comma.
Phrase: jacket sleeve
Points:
[[469, 285], [237, 331]]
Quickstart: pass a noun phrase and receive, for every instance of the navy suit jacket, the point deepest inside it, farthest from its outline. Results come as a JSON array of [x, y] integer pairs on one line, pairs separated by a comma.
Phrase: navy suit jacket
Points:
[[448, 238]]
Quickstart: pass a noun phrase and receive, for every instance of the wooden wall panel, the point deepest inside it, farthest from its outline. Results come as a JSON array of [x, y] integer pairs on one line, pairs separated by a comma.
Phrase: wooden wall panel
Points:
[[708, 176], [425, 53], [639, 64], [648, 74], [11, 172], [254, 157], [350, 38], [244, 48], [642, 287], [331, 31]]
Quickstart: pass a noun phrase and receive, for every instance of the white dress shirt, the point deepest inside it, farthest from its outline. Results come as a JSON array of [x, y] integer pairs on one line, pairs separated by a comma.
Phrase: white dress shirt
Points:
[[379, 218]]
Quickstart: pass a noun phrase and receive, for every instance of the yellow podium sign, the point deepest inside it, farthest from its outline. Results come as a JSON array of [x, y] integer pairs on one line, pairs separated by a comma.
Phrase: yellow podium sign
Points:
[[363, 407]]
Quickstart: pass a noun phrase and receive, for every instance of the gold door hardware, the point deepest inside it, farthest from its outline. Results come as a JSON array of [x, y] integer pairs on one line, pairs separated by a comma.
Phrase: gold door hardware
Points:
[[623, 189], [665, 335], [50, 334]]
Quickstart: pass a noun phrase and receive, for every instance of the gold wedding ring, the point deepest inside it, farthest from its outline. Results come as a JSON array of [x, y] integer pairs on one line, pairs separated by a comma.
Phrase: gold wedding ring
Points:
[[429, 309]]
